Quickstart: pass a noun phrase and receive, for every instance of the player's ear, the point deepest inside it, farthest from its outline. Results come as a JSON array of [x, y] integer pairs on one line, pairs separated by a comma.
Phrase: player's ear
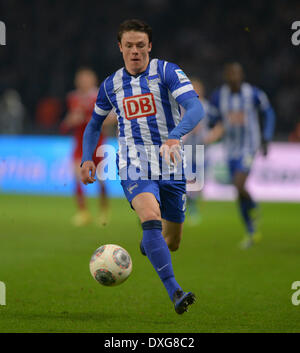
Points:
[[150, 47], [120, 47]]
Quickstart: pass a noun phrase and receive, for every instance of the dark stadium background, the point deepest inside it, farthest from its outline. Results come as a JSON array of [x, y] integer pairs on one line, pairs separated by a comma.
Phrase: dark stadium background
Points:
[[48, 40]]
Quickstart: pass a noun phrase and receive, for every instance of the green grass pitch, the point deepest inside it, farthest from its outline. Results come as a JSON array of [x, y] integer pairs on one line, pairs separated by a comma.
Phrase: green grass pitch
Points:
[[45, 266]]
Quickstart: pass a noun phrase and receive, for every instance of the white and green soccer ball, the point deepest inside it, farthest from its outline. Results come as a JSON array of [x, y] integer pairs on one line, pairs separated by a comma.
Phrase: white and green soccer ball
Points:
[[110, 265]]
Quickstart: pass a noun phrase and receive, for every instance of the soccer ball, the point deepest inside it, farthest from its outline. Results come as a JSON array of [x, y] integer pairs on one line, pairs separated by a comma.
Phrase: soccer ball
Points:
[[110, 265]]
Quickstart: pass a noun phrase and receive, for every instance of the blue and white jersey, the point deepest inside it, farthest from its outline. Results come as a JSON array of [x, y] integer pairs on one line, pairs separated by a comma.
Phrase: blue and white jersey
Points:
[[238, 111], [147, 105]]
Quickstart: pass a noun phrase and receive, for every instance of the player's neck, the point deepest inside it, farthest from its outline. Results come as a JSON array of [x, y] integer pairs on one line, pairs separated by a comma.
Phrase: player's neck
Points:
[[235, 88], [137, 72]]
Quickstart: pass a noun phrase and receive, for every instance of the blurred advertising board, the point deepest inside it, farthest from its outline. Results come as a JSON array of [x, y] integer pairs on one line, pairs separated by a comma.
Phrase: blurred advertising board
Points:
[[272, 178], [43, 165]]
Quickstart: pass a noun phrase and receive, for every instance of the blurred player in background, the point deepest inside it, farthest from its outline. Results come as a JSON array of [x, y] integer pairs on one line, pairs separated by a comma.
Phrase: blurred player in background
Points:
[[234, 109], [80, 104], [146, 94], [196, 137], [294, 136]]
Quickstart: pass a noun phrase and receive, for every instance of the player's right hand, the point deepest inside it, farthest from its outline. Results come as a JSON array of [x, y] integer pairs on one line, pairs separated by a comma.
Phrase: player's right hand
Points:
[[88, 171], [171, 149]]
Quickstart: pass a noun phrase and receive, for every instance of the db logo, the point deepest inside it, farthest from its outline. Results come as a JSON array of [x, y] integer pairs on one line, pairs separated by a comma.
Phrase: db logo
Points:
[[139, 106]]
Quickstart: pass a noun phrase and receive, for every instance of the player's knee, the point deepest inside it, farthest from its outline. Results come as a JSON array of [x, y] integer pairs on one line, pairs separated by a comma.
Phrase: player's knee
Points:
[[150, 215]]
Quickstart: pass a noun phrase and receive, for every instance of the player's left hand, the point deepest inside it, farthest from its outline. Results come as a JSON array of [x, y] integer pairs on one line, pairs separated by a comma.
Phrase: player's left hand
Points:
[[171, 148], [88, 171]]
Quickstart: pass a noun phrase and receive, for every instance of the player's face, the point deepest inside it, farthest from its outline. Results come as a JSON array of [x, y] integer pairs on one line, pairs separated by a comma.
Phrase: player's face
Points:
[[85, 80], [135, 48], [234, 75]]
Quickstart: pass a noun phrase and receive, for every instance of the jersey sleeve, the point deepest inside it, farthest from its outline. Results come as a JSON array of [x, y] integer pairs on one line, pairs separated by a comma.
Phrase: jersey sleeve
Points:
[[178, 83], [261, 99], [262, 102], [102, 105]]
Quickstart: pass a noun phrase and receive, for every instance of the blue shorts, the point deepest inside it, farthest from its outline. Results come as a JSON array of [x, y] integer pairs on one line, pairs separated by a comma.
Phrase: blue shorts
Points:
[[242, 164], [170, 194]]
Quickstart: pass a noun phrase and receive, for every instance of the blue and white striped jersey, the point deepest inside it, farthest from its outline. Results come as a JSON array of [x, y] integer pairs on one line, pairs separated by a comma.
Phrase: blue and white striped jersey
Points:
[[147, 105], [238, 111]]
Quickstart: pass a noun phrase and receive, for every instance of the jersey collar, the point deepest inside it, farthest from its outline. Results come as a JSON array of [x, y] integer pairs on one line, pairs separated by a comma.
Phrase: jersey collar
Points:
[[140, 73]]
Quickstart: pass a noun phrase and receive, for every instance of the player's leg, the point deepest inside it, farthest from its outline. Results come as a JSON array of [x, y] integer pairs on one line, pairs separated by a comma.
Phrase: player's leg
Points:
[[104, 204], [146, 206], [80, 198], [82, 216], [194, 215], [172, 233], [247, 207], [148, 210], [157, 251], [103, 197], [144, 196], [173, 206]]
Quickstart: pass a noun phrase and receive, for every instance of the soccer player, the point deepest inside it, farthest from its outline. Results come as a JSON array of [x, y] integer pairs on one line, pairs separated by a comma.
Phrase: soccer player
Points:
[[80, 103], [194, 138], [234, 109], [146, 95]]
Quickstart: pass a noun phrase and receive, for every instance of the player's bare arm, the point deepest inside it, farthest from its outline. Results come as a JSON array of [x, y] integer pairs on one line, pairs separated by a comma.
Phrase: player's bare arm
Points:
[[110, 120], [109, 123]]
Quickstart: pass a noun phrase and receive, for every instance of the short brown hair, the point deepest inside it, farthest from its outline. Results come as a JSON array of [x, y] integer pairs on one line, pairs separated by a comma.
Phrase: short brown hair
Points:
[[135, 25]]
